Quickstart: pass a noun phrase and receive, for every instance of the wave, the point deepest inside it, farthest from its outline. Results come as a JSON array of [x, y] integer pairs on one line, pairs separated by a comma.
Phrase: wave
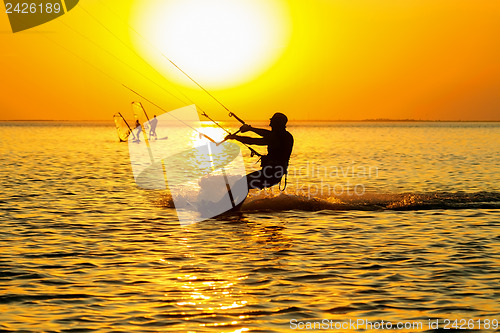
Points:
[[263, 201]]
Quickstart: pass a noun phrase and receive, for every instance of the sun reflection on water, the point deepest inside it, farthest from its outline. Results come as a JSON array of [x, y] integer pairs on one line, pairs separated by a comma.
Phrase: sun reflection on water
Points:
[[211, 131], [211, 295]]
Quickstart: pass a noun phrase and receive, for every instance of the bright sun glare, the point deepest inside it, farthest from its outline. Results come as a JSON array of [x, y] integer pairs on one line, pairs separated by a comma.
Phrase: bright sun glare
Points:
[[220, 43]]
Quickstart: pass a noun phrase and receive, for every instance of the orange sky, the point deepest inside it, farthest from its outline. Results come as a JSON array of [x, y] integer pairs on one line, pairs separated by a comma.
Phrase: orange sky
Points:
[[347, 59]]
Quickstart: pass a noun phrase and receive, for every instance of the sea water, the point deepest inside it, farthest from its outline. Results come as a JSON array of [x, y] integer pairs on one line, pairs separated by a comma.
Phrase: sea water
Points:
[[379, 223]]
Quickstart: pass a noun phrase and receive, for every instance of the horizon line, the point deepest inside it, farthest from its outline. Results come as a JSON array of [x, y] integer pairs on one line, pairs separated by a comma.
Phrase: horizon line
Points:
[[265, 120]]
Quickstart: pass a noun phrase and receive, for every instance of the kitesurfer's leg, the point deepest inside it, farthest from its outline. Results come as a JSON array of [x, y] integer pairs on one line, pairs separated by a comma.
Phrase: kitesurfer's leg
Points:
[[239, 191], [266, 177], [230, 200]]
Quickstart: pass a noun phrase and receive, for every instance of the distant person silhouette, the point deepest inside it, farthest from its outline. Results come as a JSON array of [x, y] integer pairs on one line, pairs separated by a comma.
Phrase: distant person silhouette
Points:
[[152, 130], [139, 129]]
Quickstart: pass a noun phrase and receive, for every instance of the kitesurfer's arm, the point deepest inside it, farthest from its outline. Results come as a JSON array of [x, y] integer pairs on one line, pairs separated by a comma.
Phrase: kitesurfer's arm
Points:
[[248, 140], [259, 131]]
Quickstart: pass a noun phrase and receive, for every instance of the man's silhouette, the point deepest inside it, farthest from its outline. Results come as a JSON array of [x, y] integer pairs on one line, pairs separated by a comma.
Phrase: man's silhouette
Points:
[[279, 144], [152, 130], [139, 129], [274, 165]]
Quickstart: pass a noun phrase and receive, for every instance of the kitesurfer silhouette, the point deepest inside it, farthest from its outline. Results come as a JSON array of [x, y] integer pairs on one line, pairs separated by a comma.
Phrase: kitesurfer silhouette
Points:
[[274, 166], [139, 129], [279, 144], [152, 130]]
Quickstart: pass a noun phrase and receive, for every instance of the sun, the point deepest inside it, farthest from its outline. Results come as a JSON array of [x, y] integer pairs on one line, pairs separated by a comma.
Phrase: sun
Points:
[[220, 43]]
